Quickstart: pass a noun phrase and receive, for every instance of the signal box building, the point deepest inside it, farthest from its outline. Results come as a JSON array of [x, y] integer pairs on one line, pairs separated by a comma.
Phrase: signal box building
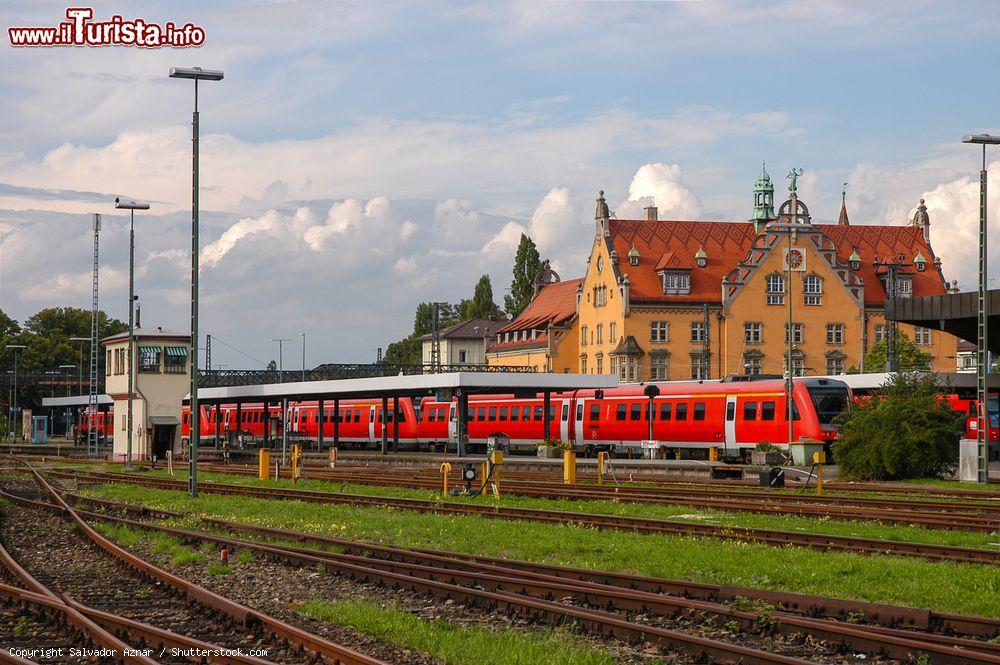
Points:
[[671, 300], [463, 343], [162, 379]]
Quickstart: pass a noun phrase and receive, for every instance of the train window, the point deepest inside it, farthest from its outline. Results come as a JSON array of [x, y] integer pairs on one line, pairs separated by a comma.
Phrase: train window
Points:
[[503, 413], [620, 411], [749, 410], [515, 413], [795, 410], [635, 412], [470, 414], [565, 412], [730, 411], [481, 414], [493, 413], [525, 413], [699, 411], [538, 413], [371, 416], [432, 415], [595, 411], [665, 411], [681, 412], [357, 416], [579, 411], [767, 411], [185, 419]]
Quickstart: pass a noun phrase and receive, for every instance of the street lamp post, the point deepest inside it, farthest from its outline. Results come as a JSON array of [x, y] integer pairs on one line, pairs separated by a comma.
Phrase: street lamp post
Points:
[[67, 383], [280, 340], [131, 206], [982, 349], [79, 376], [303, 355], [196, 74], [67, 412], [15, 348]]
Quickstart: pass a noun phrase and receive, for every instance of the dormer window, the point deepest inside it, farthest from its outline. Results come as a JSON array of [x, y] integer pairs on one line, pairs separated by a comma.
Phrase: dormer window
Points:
[[633, 256], [854, 260], [701, 257], [904, 287], [920, 262], [676, 282]]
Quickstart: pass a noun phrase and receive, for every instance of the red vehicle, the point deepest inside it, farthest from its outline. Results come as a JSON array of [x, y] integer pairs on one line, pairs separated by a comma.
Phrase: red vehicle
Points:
[[689, 416], [105, 421]]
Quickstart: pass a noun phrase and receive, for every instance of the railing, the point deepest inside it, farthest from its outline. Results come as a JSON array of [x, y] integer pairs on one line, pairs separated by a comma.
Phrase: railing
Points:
[[218, 378]]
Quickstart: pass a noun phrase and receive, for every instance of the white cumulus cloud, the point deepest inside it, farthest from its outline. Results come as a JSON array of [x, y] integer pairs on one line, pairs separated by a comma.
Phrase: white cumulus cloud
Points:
[[660, 185]]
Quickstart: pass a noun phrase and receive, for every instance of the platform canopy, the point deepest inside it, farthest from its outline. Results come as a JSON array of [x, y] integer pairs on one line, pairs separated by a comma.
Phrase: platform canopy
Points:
[[76, 400], [417, 385], [955, 313]]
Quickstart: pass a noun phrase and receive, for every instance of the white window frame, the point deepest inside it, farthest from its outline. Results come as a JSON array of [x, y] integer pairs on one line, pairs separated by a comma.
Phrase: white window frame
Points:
[[659, 332], [835, 333], [753, 332], [798, 333], [699, 332], [922, 336], [775, 289], [659, 368]]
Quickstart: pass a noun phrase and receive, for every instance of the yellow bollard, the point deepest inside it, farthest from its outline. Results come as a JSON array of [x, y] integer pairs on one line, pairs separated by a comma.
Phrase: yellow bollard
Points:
[[333, 457], [819, 459], [713, 454], [569, 467], [601, 457], [483, 468], [296, 458], [264, 464], [497, 460], [445, 470]]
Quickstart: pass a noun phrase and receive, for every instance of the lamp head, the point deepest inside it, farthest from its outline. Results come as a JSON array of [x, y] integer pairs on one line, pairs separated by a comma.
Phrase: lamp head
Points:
[[196, 73], [130, 205], [982, 139]]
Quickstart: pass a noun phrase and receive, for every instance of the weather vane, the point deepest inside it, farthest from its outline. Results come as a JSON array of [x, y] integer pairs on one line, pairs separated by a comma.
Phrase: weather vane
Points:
[[793, 175]]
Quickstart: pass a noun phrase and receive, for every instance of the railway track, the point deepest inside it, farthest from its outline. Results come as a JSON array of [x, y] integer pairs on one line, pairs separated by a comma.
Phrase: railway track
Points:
[[100, 596], [901, 633], [611, 522]]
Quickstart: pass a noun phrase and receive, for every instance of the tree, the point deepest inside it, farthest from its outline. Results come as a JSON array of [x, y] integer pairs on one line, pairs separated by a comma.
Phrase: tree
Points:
[[902, 431], [481, 305], [527, 263], [272, 366], [910, 356]]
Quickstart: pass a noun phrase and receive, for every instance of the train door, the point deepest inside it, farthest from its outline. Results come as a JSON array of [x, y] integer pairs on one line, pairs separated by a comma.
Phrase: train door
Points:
[[565, 422], [730, 425], [453, 424], [295, 419], [580, 431], [373, 435]]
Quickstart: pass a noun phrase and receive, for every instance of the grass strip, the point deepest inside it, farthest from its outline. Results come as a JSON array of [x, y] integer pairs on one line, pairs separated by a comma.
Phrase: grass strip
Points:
[[963, 588], [454, 644]]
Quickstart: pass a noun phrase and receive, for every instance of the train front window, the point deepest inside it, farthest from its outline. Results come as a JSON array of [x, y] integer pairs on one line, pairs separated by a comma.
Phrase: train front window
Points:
[[829, 402]]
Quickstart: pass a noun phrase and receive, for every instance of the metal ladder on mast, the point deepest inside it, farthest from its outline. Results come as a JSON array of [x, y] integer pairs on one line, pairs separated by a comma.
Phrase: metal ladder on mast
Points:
[[92, 431]]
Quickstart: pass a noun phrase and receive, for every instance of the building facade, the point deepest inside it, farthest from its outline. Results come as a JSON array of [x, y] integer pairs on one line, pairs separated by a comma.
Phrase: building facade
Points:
[[162, 379], [462, 343], [671, 300], [544, 337]]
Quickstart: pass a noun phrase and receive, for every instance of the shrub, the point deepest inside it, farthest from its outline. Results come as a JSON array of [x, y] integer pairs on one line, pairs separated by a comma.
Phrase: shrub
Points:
[[766, 447], [554, 443], [903, 431]]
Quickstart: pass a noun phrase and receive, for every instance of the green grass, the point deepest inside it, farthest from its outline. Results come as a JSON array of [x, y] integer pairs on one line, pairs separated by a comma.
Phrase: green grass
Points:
[[964, 588], [218, 569], [243, 556], [827, 526], [456, 645]]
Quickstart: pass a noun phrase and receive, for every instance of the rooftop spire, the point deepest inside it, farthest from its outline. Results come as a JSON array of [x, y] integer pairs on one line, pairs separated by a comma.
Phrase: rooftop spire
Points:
[[763, 199], [843, 221]]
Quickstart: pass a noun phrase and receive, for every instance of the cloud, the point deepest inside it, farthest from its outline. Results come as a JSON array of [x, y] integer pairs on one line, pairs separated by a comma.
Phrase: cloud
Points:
[[660, 185], [553, 226]]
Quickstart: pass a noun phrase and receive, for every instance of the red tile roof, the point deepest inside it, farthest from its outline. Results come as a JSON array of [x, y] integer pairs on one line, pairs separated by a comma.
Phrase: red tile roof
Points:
[[554, 304], [727, 244]]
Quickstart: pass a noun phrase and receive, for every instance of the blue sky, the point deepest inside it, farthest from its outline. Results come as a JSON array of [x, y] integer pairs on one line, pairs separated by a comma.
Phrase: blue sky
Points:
[[378, 154]]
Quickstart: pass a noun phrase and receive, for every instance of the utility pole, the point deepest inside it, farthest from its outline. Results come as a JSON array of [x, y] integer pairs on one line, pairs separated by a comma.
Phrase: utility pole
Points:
[[436, 339], [303, 355], [706, 350], [891, 267], [280, 340], [208, 352], [92, 434]]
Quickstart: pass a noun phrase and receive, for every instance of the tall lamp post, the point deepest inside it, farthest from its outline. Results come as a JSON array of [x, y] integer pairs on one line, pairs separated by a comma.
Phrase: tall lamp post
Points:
[[67, 412], [79, 376], [13, 410], [280, 341], [131, 206], [196, 74], [982, 349], [303, 335]]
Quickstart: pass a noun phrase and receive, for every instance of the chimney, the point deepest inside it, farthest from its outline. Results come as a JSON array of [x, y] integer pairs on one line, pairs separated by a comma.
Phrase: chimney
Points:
[[650, 213]]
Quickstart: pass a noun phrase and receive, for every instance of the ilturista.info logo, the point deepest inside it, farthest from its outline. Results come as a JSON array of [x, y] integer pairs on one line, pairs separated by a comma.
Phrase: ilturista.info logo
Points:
[[80, 29]]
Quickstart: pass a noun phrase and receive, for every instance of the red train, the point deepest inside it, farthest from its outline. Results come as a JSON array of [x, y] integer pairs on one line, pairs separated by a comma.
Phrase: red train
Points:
[[105, 422], [687, 415]]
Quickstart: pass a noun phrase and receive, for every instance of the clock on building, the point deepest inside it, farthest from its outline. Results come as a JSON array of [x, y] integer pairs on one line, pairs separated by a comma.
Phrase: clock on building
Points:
[[795, 259]]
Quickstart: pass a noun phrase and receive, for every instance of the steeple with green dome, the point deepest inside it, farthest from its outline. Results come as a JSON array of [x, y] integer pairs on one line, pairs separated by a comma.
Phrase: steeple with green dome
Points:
[[763, 200]]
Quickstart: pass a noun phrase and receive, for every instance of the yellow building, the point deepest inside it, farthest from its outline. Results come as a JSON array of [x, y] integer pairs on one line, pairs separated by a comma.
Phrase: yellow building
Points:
[[671, 300], [544, 336]]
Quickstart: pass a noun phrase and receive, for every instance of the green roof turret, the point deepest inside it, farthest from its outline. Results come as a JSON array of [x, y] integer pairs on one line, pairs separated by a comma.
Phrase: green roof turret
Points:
[[763, 199]]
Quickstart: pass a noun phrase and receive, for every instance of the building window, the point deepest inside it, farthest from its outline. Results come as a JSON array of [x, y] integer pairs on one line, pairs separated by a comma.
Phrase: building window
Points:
[[796, 333], [600, 333], [834, 365], [775, 290], [583, 364], [659, 368], [600, 296], [699, 332], [463, 356], [753, 333], [659, 332], [904, 287], [921, 336], [879, 332], [752, 365], [613, 333], [583, 335], [699, 366], [600, 364], [798, 364], [812, 286], [835, 333], [633, 369], [676, 283], [618, 367], [107, 364], [149, 359], [175, 360]]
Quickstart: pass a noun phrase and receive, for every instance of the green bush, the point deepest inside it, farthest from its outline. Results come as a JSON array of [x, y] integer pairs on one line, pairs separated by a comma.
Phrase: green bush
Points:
[[903, 431]]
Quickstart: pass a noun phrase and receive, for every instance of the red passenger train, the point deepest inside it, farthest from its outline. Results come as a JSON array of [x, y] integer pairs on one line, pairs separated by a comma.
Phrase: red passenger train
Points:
[[691, 416]]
